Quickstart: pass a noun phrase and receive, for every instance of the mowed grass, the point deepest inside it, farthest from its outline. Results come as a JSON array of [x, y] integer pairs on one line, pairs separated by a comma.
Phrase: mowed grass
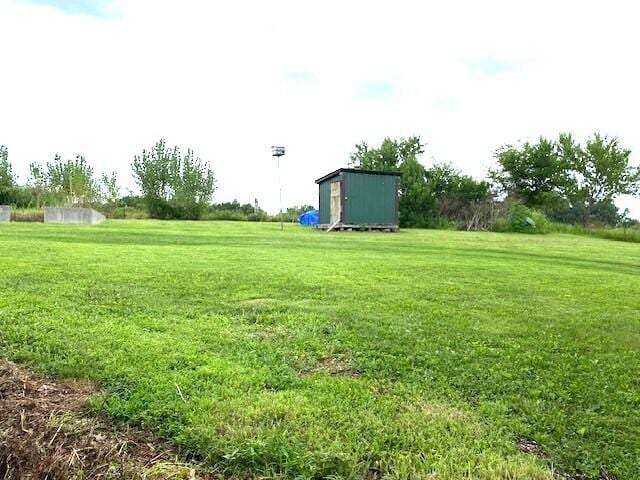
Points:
[[422, 354]]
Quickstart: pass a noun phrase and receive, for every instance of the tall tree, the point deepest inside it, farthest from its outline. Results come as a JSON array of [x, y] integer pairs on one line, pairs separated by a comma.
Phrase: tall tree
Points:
[[173, 186], [37, 184], [571, 182], [110, 190], [535, 173], [601, 172], [389, 156], [72, 181], [416, 202], [400, 155]]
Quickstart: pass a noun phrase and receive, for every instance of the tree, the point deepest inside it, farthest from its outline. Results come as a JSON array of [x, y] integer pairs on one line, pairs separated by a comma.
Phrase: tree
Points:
[[7, 179], [460, 198], [72, 181], [298, 210], [37, 183], [389, 156], [173, 186], [537, 174], [109, 189], [568, 181], [601, 172], [416, 204], [400, 156], [428, 196]]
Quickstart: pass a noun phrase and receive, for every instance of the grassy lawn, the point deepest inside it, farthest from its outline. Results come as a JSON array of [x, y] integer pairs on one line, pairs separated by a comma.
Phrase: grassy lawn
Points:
[[307, 354]]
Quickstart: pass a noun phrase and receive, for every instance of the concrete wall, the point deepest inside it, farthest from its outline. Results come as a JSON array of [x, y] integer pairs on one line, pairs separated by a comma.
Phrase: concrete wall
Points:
[[86, 216], [5, 213]]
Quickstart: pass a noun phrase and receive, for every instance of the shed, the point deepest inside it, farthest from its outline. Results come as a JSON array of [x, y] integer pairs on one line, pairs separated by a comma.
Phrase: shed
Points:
[[358, 199]]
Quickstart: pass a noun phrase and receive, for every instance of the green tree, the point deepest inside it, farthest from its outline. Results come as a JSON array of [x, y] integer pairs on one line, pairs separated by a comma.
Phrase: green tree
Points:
[[536, 174], [416, 203], [460, 199], [71, 181], [154, 171], [428, 196], [172, 185], [389, 156], [109, 189], [568, 181], [37, 184], [7, 179], [400, 155], [601, 172], [298, 210]]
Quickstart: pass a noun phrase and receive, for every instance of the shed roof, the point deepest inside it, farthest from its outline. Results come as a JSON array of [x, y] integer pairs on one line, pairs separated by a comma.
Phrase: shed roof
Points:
[[355, 170]]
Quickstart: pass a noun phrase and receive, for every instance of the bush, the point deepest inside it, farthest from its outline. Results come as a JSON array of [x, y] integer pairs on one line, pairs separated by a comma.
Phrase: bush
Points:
[[524, 220], [127, 212], [258, 217], [232, 215]]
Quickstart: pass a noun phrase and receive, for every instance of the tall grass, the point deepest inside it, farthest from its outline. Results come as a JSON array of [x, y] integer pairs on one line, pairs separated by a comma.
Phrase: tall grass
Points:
[[631, 234], [27, 215]]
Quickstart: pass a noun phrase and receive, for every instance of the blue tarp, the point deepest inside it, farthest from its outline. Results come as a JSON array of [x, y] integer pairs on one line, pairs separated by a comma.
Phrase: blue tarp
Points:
[[312, 217]]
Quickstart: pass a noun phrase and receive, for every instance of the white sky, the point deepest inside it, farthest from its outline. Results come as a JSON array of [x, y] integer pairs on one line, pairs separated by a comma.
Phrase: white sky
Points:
[[229, 79]]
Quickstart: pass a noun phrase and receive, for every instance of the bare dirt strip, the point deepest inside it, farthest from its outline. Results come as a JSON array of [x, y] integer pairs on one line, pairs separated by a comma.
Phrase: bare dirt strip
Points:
[[46, 432]]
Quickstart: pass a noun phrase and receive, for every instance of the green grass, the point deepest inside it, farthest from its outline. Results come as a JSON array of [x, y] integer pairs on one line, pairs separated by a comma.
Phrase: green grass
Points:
[[307, 354]]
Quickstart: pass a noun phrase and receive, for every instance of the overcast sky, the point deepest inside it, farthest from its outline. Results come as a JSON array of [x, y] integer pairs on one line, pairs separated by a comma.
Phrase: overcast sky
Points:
[[107, 78]]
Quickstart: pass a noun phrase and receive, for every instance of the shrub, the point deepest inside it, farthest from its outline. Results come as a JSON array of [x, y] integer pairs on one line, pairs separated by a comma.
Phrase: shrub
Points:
[[258, 217], [127, 212], [524, 220], [233, 215]]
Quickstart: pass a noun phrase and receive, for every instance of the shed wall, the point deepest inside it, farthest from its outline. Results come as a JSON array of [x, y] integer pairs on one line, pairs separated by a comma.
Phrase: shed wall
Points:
[[370, 199]]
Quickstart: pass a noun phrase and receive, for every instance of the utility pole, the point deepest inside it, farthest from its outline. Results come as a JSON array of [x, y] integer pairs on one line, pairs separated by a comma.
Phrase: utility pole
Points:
[[278, 151]]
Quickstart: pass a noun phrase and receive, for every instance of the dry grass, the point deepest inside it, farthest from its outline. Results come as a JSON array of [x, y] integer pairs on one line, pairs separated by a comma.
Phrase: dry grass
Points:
[[337, 366], [27, 215], [45, 433]]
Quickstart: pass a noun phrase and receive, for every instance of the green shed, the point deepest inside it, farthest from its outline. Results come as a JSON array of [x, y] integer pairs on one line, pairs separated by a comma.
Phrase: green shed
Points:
[[353, 198]]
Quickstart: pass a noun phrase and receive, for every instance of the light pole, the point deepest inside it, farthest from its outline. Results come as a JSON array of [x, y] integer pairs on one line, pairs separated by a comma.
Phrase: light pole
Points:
[[278, 151]]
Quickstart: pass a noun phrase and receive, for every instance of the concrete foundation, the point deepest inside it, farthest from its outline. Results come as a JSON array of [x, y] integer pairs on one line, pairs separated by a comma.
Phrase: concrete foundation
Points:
[[82, 216], [5, 213]]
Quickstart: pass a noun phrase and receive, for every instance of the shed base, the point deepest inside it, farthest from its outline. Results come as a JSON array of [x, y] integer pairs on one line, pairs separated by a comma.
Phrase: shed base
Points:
[[347, 227]]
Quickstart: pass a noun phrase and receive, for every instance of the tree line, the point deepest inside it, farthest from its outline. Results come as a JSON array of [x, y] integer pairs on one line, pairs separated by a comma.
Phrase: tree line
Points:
[[173, 185], [560, 180], [58, 182]]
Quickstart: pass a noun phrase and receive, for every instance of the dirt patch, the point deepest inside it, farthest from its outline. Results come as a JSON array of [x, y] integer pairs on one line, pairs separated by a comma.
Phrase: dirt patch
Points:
[[337, 366], [47, 433], [603, 475], [528, 445]]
